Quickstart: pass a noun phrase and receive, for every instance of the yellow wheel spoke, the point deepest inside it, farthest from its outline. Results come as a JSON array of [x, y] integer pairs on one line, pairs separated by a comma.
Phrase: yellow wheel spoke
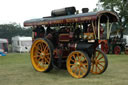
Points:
[[74, 56], [38, 49], [43, 60], [84, 67], [72, 64], [45, 49], [84, 59], [79, 73], [46, 60], [85, 64], [81, 70], [47, 54], [72, 60], [101, 58], [76, 69], [92, 67], [42, 46], [38, 64], [101, 65], [99, 68], [98, 55], [81, 57], [101, 61], [96, 68], [35, 56]]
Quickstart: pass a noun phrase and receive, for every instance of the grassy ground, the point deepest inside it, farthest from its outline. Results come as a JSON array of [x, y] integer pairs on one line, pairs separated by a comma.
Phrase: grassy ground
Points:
[[16, 69]]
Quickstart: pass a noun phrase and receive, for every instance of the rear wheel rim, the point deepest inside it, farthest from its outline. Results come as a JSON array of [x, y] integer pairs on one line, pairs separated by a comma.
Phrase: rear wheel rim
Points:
[[40, 55], [77, 64], [99, 63]]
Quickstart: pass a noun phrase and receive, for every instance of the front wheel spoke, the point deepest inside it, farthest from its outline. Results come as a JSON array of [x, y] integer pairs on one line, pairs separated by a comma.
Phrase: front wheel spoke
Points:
[[37, 48], [46, 60], [72, 64], [101, 58], [85, 64], [74, 56], [101, 61], [38, 52], [98, 55], [75, 69], [96, 68], [41, 46], [47, 54], [81, 70], [84, 67], [80, 57], [35, 56], [38, 58], [45, 48], [101, 65], [38, 64], [99, 68], [92, 67], [47, 57], [84, 59], [43, 60], [72, 60]]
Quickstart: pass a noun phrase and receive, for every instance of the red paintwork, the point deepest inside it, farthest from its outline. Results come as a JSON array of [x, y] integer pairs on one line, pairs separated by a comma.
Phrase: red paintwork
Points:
[[104, 46], [64, 37], [117, 49]]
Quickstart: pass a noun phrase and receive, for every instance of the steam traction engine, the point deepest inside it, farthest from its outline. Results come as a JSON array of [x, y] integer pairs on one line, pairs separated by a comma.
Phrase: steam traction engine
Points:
[[69, 40]]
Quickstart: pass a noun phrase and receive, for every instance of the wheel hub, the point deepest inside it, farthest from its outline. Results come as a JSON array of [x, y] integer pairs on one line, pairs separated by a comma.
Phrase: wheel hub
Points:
[[77, 63], [42, 54]]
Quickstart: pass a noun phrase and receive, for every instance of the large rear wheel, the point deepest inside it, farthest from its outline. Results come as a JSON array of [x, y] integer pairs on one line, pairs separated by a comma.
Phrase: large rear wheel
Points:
[[41, 55], [78, 64], [99, 62]]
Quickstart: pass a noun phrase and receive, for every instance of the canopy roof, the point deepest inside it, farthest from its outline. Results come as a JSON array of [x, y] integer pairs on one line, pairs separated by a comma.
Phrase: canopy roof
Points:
[[82, 17], [21, 38]]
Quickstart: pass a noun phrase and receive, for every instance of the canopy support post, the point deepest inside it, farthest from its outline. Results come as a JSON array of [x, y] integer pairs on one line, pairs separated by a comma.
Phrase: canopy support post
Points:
[[94, 29], [99, 27]]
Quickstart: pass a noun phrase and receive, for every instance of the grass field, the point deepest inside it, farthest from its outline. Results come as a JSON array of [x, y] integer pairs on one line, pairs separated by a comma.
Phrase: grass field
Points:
[[16, 69]]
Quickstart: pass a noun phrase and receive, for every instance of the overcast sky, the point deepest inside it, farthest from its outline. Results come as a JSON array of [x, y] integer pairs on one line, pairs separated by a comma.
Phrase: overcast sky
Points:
[[20, 10]]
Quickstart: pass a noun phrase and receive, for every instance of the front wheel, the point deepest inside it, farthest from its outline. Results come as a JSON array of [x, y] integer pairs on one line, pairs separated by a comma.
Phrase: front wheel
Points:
[[99, 62], [78, 64]]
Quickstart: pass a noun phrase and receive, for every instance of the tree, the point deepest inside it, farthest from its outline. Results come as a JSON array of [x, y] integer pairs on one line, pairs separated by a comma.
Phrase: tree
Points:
[[120, 7], [10, 30]]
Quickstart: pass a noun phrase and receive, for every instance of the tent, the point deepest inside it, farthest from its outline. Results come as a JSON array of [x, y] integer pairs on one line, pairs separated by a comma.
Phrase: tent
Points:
[[126, 37], [3, 45], [21, 44]]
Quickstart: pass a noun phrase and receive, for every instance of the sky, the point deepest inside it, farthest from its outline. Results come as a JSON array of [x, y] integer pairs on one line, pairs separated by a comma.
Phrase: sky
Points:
[[20, 10]]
